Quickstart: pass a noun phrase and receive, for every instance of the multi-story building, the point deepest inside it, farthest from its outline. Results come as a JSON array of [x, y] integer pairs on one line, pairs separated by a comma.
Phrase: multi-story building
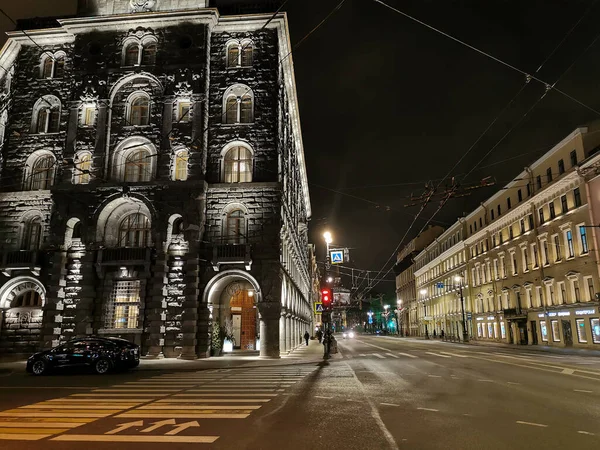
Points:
[[404, 269], [153, 182], [442, 285], [532, 251]]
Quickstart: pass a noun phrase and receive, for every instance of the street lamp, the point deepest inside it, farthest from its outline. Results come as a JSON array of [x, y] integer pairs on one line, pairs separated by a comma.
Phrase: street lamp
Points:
[[459, 280], [398, 312], [423, 292], [326, 317]]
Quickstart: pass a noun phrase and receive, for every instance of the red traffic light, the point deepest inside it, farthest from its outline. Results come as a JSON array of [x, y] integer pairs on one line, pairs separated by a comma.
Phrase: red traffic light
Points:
[[326, 296]]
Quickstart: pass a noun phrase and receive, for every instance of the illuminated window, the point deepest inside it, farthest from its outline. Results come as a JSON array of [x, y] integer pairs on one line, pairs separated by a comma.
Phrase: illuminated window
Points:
[[149, 54], [583, 238], [138, 166], [581, 334], [544, 330], [555, 331], [238, 105], [139, 110], [238, 165], [134, 231], [41, 173], [47, 67], [181, 165], [123, 308], [132, 54], [52, 65], [595, 324], [240, 54], [83, 164], [30, 299], [46, 115]]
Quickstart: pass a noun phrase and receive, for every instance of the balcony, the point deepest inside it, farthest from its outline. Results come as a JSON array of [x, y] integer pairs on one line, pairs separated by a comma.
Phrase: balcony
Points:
[[21, 260], [123, 256], [231, 254]]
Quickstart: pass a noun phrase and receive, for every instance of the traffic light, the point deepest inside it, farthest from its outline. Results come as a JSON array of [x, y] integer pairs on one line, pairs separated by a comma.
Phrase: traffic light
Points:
[[326, 298]]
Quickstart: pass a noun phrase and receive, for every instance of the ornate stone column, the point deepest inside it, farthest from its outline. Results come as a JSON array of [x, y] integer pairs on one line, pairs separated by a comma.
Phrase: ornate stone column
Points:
[[282, 331], [288, 332]]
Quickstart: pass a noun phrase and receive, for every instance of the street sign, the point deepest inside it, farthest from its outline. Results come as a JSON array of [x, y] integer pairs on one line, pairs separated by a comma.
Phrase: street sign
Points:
[[336, 256], [318, 308], [440, 285], [469, 316]]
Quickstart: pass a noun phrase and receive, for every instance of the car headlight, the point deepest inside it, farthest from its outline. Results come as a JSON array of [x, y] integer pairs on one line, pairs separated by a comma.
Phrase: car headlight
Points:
[[344, 334], [351, 335]]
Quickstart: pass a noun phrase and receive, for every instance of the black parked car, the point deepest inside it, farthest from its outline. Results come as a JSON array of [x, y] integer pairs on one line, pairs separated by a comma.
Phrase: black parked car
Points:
[[97, 353]]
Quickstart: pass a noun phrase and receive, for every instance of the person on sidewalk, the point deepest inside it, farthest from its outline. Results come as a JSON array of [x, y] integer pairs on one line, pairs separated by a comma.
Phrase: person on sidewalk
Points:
[[306, 337]]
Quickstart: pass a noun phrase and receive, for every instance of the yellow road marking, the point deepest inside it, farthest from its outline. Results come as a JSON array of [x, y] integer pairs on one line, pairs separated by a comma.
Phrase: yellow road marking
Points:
[[50, 420], [53, 414], [32, 430], [184, 416], [213, 400], [155, 439], [124, 394], [208, 394], [198, 407], [81, 406], [41, 424], [23, 437]]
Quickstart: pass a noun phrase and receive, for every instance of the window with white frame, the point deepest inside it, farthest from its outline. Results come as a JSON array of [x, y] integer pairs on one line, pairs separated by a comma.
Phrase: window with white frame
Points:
[[237, 165], [589, 285], [235, 227], [581, 334], [534, 253], [544, 330], [513, 258], [88, 115], [52, 65], [576, 290], [240, 53], [123, 308], [183, 110], [31, 237], [550, 294], [496, 270], [540, 296], [555, 331], [180, 169], [545, 252], [557, 248], [138, 113], [525, 254], [529, 297], [569, 240], [138, 52], [46, 115], [134, 231], [138, 166], [238, 105], [83, 165], [562, 290], [39, 171]]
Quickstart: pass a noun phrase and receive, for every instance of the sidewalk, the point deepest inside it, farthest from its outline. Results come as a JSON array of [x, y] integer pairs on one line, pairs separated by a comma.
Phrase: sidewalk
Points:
[[533, 348], [302, 354]]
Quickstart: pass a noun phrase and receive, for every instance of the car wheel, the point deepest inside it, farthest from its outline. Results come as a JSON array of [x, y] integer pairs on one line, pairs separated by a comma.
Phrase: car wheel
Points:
[[39, 367], [102, 366]]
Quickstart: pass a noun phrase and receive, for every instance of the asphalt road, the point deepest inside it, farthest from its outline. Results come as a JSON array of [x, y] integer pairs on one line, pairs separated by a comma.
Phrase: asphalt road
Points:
[[378, 393]]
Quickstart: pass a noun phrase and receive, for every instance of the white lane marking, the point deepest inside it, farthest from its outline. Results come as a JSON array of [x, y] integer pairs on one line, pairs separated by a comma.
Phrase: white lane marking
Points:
[[194, 396], [408, 355], [389, 404], [584, 391], [321, 396], [486, 381], [378, 355], [532, 424], [392, 355], [512, 382], [352, 400], [568, 371], [182, 416], [23, 437], [454, 354], [587, 433], [149, 439], [437, 354], [41, 424], [53, 414], [362, 354], [429, 409], [435, 376], [154, 407], [175, 402]]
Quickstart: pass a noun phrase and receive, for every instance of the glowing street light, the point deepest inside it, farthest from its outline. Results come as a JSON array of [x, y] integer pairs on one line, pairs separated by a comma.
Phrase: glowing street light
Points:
[[423, 292], [328, 238], [330, 279]]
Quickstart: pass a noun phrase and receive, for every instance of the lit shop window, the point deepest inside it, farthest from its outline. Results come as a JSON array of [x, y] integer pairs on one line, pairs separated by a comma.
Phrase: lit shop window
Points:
[[595, 323], [490, 330], [555, 331], [581, 337], [502, 330], [544, 330]]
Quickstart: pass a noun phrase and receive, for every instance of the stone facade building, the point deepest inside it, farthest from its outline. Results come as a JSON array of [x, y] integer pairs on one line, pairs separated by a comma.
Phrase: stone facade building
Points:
[[153, 183], [406, 293]]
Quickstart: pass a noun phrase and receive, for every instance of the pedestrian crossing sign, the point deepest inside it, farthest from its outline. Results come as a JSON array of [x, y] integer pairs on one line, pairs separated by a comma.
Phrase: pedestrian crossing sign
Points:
[[336, 256], [318, 308]]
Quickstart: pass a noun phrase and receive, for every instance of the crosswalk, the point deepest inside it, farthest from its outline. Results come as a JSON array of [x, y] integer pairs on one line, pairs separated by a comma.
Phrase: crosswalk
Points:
[[403, 355], [167, 408]]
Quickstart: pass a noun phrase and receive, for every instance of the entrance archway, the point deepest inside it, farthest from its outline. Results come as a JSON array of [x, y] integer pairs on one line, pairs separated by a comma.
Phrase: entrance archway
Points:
[[233, 297]]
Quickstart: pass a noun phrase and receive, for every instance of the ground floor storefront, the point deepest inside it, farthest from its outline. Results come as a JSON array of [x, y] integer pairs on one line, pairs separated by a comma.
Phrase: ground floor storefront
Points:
[[566, 326]]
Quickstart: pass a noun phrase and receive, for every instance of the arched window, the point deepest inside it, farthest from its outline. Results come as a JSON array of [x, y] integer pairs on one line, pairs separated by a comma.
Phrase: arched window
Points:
[[139, 110], [27, 299], [138, 166], [181, 165], [46, 115], [233, 54], [134, 231], [32, 234], [59, 66], [132, 54], [83, 164], [247, 53], [149, 54], [235, 228], [39, 173], [237, 164], [47, 66], [238, 105]]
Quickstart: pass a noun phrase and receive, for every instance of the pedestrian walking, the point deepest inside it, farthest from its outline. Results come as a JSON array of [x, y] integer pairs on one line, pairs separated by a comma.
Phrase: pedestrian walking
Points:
[[306, 337]]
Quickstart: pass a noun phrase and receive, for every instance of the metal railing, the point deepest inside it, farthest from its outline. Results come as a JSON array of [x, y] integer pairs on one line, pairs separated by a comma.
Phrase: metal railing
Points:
[[20, 258]]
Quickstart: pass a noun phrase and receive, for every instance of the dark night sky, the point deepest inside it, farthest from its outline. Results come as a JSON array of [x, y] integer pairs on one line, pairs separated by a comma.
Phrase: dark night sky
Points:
[[385, 101]]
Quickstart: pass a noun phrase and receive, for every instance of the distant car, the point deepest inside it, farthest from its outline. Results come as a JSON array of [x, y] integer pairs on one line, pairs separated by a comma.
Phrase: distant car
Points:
[[348, 334], [100, 354]]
